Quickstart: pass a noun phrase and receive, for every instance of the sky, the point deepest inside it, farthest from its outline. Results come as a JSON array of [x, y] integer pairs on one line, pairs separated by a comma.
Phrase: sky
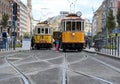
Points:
[[42, 9]]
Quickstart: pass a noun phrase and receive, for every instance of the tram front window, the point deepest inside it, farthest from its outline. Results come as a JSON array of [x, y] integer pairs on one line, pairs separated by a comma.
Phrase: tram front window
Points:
[[46, 30], [38, 31], [42, 32], [78, 25], [68, 26], [73, 25]]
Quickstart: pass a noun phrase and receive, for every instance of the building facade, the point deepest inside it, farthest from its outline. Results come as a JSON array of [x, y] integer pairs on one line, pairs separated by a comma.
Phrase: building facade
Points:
[[24, 23], [6, 8], [30, 19], [87, 28], [100, 16]]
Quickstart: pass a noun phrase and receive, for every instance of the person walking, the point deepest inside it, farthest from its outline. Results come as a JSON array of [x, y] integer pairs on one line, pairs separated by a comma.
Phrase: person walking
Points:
[[89, 43], [57, 44]]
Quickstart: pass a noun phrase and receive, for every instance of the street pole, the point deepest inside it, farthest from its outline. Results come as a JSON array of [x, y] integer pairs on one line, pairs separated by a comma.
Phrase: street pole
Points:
[[30, 24], [14, 23], [92, 25]]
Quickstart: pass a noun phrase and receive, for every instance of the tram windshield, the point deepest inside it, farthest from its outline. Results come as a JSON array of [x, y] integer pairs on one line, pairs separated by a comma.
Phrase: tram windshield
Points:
[[46, 30], [43, 30], [73, 25]]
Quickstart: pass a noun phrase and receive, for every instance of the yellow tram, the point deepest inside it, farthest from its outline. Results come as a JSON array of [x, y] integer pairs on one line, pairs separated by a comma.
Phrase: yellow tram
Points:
[[43, 37], [72, 32]]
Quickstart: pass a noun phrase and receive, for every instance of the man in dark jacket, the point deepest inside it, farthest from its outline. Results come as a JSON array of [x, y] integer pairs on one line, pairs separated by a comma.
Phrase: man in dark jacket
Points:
[[32, 42]]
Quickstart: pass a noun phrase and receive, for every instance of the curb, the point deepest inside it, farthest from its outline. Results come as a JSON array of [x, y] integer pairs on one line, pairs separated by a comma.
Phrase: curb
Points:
[[12, 51], [100, 53]]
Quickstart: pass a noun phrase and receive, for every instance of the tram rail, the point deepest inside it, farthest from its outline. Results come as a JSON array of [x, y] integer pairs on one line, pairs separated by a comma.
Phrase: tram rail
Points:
[[67, 66], [23, 76]]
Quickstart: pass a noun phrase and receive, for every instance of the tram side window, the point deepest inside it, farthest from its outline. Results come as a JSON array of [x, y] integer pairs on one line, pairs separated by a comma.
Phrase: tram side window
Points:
[[46, 30], [78, 25], [68, 26], [38, 31]]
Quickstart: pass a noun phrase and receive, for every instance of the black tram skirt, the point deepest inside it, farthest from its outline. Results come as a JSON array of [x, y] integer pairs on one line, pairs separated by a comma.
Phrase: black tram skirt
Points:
[[72, 46], [43, 45]]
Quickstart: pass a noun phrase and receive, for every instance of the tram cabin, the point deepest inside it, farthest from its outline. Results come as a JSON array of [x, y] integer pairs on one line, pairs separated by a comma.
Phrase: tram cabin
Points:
[[72, 33], [43, 37]]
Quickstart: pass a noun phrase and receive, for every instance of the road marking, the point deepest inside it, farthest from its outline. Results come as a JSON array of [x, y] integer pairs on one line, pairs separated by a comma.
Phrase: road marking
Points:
[[115, 68], [98, 78]]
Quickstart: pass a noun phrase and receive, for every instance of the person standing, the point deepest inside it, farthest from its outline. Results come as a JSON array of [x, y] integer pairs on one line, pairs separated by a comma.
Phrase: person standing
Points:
[[5, 40], [57, 44], [32, 42]]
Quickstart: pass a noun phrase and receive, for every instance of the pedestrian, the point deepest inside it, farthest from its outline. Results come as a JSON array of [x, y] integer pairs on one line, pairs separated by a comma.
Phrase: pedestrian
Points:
[[57, 42], [98, 44], [32, 42], [5, 39], [89, 42]]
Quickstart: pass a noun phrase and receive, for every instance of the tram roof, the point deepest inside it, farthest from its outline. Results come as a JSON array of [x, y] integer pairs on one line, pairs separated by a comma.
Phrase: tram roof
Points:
[[43, 25], [72, 17]]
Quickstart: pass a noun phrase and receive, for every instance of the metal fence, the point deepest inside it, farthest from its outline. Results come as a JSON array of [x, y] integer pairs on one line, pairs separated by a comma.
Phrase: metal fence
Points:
[[110, 46], [7, 44]]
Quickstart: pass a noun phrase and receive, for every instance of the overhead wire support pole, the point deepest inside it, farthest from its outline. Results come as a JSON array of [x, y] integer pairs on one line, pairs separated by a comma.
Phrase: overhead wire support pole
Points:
[[92, 24]]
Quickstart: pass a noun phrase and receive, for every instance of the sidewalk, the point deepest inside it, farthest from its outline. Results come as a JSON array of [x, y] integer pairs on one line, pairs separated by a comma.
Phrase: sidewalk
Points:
[[92, 50], [11, 50], [25, 46]]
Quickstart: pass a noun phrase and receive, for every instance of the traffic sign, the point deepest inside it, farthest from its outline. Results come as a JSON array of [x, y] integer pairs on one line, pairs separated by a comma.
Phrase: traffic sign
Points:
[[116, 31], [88, 33]]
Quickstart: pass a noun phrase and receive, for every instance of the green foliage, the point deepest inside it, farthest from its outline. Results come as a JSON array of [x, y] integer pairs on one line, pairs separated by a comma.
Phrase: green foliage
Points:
[[118, 16], [18, 45], [56, 34], [98, 35], [26, 35], [110, 23], [5, 19], [110, 46]]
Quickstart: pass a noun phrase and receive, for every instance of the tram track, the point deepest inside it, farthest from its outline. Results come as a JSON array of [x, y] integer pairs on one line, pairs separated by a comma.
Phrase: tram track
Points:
[[108, 65], [23, 76], [66, 69]]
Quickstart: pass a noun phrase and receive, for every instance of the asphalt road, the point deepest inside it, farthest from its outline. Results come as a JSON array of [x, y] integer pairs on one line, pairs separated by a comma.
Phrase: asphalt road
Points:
[[51, 67]]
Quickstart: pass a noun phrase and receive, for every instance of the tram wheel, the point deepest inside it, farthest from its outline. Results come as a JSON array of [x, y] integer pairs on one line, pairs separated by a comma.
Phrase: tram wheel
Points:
[[79, 50], [64, 50]]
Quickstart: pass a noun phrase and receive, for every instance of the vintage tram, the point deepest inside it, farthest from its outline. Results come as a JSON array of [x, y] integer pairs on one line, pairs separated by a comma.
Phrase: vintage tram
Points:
[[42, 36], [72, 32]]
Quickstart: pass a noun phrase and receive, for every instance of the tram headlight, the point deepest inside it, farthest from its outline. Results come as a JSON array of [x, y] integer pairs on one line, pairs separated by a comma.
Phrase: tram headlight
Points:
[[73, 34]]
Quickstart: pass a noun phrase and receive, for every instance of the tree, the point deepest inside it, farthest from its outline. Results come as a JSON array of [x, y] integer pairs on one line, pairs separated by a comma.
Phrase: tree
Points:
[[118, 16], [110, 23], [5, 19], [26, 35]]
